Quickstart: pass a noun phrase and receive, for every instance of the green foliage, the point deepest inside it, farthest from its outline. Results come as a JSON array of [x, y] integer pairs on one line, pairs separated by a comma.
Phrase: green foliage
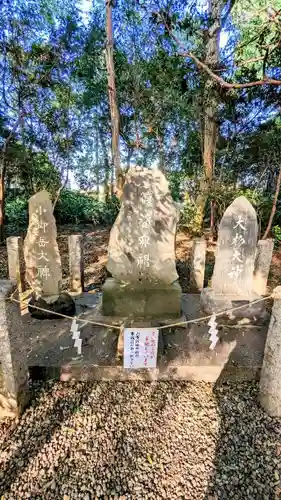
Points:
[[74, 207], [52, 68], [189, 216], [224, 196], [276, 231], [110, 210], [38, 173], [30, 171], [259, 36], [175, 180], [16, 215]]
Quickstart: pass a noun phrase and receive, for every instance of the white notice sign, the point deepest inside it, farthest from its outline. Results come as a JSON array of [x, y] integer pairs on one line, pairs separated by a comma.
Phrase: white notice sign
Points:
[[140, 347]]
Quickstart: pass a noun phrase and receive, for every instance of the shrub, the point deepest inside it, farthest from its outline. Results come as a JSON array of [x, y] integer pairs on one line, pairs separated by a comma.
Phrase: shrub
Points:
[[16, 214], [276, 231], [75, 207], [110, 211], [72, 208], [189, 216]]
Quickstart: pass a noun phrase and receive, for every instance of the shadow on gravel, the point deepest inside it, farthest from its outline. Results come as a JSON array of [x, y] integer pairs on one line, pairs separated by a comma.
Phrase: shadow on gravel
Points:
[[112, 445], [122, 438], [51, 418], [248, 460]]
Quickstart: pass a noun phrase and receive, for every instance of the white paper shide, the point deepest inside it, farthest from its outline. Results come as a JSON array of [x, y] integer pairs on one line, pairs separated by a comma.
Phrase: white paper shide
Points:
[[213, 331], [76, 336], [140, 347]]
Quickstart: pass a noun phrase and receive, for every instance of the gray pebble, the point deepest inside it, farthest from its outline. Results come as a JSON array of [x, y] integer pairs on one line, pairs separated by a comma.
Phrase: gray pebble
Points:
[[136, 440]]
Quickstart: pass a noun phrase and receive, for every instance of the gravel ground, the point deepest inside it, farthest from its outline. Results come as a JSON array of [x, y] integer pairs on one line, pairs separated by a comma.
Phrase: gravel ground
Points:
[[139, 440]]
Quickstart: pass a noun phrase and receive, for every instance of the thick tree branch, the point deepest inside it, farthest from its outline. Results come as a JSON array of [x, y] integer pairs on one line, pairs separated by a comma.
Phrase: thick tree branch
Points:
[[223, 83], [265, 81]]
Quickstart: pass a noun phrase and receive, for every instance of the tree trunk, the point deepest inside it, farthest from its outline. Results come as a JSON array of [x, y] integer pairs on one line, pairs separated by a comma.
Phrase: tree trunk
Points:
[[112, 184], [62, 186], [161, 153], [106, 186], [210, 107], [2, 204], [2, 176], [114, 112], [129, 156], [59, 191], [106, 167], [97, 162], [212, 221], [273, 210]]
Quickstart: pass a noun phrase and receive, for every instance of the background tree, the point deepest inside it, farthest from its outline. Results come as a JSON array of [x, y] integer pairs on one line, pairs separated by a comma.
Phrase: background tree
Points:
[[198, 96]]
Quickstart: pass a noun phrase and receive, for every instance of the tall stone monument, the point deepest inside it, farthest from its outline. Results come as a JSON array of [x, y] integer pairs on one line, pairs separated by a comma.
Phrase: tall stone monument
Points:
[[141, 253], [42, 260], [232, 281]]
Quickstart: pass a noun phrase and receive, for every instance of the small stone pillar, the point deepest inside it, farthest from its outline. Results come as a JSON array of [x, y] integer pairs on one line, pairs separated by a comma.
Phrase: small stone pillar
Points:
[[76, 262], [13, 355], [270, 380], [198, 257], [16, 260], [262, 265]]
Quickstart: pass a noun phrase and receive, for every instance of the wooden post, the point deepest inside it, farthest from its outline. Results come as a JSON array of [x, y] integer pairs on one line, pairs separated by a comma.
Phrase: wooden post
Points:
[[13, 354], [76, 263], [16, 261], [270, 386]]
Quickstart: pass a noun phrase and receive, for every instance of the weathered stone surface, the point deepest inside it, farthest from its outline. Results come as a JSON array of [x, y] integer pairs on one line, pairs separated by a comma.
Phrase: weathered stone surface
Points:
[[64, 304], [13, 354], [146, 300], [236, 250], [142, 240], [212, 302], [42, 258], [198, 258], [233, 278], [262, 265], [270, 387], [76, 263]]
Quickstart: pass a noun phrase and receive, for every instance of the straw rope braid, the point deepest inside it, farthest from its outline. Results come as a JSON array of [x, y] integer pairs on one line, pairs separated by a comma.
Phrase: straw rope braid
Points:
[[117, 327]]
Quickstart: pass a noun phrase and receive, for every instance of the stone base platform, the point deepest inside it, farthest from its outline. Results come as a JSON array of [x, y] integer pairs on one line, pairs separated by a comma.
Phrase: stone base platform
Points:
[[212, 302], [153, 301], [184, 352]]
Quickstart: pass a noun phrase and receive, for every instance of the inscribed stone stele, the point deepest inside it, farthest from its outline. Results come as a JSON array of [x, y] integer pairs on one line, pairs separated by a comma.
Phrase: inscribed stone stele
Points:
[[236, 249], [142, 240], [41, 253]]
